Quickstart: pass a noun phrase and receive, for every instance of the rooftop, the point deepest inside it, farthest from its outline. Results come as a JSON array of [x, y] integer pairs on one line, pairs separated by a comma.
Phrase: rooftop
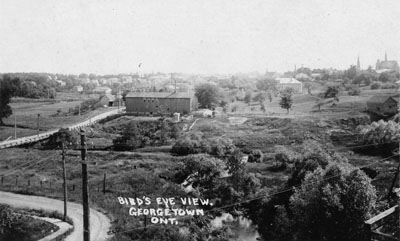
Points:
[[182, 95], [382, 98], [288, 81]]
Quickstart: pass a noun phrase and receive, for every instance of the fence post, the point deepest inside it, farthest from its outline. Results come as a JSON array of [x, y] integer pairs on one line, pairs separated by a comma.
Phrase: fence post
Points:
[[73, 187], [29, 182], [41, 183]]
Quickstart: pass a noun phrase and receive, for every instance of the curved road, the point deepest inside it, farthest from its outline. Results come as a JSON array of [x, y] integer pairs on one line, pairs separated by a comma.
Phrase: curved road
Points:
[[99, 223]]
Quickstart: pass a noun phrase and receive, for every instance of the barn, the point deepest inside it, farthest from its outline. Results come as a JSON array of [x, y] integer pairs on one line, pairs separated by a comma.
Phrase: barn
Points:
[[159, 103], [383, 105]]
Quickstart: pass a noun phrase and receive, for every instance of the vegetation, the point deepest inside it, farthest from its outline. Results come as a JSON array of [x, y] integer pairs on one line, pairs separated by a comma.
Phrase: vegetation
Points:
[[208, 95], [383, 133], [8, 89], [326, 208], [318, 199], [267, 84], [195, 143], [34, 86], [136, 135], [286, 101], [60, 138], [16, 226]]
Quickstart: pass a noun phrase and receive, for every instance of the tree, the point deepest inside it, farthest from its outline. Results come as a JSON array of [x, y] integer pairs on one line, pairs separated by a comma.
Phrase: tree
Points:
[[269, 96], [208, 95], [387, 134], [332, 92], [63, 136], [247, 97], [130, 138], [286, 101], [387, 77], [267, 84], [333, 209], [263, 107], [8, 88], [309, 87], [260, 97], [351, 73]]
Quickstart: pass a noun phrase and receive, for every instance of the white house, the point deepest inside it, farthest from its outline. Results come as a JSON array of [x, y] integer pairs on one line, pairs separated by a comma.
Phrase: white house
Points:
[[293, 83]]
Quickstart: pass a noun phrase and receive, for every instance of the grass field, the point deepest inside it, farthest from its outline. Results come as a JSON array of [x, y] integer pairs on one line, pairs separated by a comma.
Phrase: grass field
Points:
[[26, 114]]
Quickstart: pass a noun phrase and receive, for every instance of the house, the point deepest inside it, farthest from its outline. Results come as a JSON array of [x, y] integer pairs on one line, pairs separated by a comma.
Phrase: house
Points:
[[102, 90], [61, 83], [292, 83], [383, 105], [105, 100], [160, 103], [77, 88]]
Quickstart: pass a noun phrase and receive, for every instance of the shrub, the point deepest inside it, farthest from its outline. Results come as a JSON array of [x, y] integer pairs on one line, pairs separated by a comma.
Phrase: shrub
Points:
[[256, 156], [376, 85], [284, 156], [353, 91], [388, 86], [195, 143]]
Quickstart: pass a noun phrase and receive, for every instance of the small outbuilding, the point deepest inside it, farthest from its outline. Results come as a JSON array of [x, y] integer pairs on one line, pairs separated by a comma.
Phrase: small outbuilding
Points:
[[106, 100], [383, 105]]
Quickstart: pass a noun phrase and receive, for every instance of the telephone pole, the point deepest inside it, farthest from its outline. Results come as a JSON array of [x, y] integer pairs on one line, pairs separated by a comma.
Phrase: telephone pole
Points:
[[38, 124], [398, 175], [85, 194], [65, 182], [15, 123]]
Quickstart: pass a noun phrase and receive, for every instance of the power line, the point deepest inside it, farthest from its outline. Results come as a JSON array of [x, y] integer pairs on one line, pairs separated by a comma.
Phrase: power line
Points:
[[263, 196]]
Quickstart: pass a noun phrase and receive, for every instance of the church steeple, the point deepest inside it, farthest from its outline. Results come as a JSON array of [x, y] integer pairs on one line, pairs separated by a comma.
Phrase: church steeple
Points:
[[358, 63], [385, 56]]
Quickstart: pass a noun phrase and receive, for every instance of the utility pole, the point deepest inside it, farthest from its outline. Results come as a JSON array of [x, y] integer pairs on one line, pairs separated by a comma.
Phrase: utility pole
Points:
[[65, 182], [38, 124], [398, 175], [119, 90], [15, 123], [79, 109], [85, 194]]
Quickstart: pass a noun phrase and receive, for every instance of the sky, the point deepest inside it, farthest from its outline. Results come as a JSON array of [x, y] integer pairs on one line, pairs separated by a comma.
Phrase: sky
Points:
[[195, 36]]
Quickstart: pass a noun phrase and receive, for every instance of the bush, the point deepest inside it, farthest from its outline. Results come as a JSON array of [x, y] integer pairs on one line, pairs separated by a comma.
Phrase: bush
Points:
[[195, 143], [136, 135], [284, 156], [256, 156], [353, 91], [389, 86], [376, 85]]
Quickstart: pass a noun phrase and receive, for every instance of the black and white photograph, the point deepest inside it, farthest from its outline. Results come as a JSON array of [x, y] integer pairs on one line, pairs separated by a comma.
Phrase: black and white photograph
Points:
[[199, 120]]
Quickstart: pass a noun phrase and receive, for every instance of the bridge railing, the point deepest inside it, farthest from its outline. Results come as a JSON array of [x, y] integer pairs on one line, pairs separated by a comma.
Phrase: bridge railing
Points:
[[47, 134]]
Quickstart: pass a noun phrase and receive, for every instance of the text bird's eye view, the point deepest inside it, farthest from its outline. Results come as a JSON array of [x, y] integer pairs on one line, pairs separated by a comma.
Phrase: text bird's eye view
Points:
[[188, 120]]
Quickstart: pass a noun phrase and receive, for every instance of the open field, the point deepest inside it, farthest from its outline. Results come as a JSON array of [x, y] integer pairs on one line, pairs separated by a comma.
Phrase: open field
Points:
[[26, 115], [305, 105]]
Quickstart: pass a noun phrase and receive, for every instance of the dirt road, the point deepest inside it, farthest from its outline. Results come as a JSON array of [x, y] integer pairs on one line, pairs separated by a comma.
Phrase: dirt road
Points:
[[99, 223]]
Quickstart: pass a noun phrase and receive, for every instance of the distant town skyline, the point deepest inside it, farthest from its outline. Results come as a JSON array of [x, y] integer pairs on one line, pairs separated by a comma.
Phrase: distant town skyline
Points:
[[199, 37]]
